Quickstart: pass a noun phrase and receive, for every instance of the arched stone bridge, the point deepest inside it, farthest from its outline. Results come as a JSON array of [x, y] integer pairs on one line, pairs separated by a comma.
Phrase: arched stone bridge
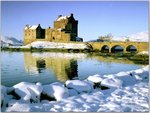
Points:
[[126, 46]]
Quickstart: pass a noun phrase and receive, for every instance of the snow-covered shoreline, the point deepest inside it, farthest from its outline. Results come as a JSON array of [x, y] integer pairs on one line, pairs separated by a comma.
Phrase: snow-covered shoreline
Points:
[[55, 45], [121, 92]]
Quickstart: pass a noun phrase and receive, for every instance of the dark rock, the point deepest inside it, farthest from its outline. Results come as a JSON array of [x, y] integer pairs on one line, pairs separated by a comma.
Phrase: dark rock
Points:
[[104, 87], [46, 97], [14, 94], [97, 85]]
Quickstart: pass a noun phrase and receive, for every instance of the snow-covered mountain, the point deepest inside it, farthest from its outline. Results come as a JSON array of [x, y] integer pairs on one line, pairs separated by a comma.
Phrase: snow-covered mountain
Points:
[[141, 36], [10, 41], [138, 37]]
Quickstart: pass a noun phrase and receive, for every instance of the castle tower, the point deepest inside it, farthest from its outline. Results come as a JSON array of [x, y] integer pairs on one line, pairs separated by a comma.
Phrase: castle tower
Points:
[[67, 24]]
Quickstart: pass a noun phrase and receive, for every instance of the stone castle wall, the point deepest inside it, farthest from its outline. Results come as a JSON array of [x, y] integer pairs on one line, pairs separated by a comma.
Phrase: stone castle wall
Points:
[[65, 30]]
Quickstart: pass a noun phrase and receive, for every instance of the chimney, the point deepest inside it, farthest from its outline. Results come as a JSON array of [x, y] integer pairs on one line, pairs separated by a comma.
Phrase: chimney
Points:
[[71, 15], [27, 26], [59, 16]]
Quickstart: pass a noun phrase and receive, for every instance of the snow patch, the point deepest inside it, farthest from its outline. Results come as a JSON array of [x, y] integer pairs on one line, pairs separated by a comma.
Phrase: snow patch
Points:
[[54, 45], [144, 53], [62, 18]]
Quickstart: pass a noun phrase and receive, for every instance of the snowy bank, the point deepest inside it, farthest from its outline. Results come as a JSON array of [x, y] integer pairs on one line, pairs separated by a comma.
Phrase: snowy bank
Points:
[[55, 45], [123, 92], [144, 53]]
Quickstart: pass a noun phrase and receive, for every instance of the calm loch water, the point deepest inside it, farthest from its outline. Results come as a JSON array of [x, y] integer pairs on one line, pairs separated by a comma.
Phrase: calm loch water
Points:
[[48, 67]]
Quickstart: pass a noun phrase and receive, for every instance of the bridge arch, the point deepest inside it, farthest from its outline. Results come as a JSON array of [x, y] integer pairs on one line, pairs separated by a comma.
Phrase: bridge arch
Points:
[[117, 48], [131, 48], [105, 49]]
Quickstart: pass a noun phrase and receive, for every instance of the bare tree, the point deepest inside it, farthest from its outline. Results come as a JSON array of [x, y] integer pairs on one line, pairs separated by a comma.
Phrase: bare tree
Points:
[[106, 38], [127, 39]]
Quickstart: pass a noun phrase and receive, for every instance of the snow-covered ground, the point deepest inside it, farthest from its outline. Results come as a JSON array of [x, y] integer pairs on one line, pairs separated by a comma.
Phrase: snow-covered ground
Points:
[[54, 45], [144, 52], [121, 92]]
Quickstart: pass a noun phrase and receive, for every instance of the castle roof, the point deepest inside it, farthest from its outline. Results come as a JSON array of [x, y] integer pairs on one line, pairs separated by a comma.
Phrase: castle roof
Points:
[[62, 18], [31, 26]]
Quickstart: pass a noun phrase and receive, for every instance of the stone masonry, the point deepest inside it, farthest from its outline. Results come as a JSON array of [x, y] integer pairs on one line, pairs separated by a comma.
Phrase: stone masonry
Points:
[[65, 30]]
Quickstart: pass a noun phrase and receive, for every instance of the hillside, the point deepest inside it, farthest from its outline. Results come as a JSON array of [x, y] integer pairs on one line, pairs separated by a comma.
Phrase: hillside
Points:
[[10, 41]]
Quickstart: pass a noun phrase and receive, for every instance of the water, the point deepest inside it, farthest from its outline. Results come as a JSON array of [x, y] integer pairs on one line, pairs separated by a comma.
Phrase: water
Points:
[[48, 67]]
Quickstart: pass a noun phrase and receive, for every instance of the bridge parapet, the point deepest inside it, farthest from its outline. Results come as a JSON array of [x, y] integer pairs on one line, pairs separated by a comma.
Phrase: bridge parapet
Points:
[[140, 46]]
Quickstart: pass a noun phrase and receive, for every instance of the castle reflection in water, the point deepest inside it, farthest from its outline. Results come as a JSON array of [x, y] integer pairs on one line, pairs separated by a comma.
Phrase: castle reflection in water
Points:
[[64, 65]]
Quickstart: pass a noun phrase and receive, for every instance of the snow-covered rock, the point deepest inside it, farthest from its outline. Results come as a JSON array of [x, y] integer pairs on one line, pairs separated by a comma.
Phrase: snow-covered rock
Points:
[[55, 90], [112, 82], [95, 78], [28, 91], [139, 71], [78, 85], [127, 78], [72, 92], [140, 74], [110, 76], [138, 77], [126, 99], [132, 96]]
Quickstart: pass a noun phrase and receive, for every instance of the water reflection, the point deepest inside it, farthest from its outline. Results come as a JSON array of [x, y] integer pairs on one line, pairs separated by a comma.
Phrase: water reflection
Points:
[[40, 64], [49, 67], [64, 65]]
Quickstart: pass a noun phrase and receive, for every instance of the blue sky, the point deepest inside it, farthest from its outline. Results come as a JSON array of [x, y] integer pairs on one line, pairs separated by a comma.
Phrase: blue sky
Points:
[[95, 18]]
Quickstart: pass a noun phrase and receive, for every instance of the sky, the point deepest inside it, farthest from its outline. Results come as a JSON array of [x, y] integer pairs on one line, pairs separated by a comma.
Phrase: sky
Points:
[[94, 18]]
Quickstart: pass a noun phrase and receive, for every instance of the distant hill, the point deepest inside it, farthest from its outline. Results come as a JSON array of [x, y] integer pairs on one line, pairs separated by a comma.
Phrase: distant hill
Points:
[[10, 41], [137, 37]]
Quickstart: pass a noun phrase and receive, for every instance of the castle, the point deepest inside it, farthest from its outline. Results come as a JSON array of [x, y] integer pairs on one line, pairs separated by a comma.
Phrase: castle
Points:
[[65, 30]]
